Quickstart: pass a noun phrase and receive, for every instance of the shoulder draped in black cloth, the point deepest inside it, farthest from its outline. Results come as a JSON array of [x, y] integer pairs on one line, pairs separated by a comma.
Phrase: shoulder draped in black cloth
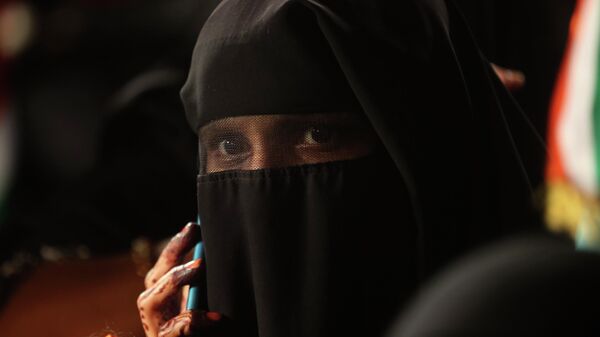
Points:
[[335, 248], [526, 286]]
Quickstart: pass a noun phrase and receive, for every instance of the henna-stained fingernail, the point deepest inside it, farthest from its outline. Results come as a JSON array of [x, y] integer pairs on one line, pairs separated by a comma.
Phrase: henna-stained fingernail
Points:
[[183, 232], [193, 264], [189, 234], [187, 227], [184, 274]]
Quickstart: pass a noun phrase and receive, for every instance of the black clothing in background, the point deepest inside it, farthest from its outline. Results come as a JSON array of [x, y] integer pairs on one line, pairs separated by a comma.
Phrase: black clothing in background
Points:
[[529, 36], [105, 154], [528, 286], [456, 140], [142, 184]]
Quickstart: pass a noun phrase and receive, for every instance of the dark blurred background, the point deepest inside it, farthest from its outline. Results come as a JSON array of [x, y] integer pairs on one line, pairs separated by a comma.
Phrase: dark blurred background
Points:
[[104, 152], [98, 164]]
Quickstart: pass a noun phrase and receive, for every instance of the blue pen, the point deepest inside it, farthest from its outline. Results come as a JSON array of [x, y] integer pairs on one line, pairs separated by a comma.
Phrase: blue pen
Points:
[[192, 301]]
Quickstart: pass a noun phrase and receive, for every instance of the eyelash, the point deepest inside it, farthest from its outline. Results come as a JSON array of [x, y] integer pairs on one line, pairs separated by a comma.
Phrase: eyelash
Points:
[[295, 135]]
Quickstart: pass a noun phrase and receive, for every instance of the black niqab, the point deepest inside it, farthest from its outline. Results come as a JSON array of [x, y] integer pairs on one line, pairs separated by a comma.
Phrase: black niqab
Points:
[[335, 248]]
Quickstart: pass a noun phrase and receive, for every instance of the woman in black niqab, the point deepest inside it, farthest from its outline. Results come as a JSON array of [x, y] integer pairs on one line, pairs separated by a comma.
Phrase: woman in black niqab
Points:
[[348, 150]]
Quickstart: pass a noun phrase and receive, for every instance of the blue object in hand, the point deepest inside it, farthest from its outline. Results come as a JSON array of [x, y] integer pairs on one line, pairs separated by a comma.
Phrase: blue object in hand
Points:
[[193, 301]]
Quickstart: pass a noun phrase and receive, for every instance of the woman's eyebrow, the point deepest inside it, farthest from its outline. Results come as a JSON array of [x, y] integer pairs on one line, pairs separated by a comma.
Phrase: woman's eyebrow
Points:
[[228, 125]]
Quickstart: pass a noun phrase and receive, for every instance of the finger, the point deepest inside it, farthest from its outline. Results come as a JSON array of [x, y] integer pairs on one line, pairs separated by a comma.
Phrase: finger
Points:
[[512, 79], [173, 253], [189, 323], [185, 292], [160, 302]]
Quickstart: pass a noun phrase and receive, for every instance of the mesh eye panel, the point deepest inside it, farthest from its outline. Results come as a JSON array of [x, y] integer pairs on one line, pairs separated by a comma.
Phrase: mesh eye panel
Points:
[[274, 141]]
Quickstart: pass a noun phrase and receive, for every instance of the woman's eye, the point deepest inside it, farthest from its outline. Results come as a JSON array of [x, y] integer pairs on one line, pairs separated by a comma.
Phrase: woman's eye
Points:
[[232, 146], [318, 135]]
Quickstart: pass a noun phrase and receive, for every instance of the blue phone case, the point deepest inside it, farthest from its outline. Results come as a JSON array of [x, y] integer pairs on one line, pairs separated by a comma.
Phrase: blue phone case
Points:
[[193, 301]]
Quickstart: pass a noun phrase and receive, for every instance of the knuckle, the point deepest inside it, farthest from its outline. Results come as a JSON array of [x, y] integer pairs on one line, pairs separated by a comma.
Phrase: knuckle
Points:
[[146, 300], [141, 299], [148, 278], [175, 275]]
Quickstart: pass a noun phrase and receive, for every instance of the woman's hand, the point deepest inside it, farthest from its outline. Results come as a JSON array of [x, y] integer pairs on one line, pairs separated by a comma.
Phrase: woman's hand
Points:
[[162, 304]]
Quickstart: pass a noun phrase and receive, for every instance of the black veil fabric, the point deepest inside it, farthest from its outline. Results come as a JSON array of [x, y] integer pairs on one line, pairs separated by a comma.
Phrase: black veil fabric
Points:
[[451, 127], [451, 132], [300, 251]]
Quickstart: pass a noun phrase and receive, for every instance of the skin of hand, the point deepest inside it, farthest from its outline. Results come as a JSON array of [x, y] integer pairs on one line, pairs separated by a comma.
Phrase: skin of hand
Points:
[[160, 305], [512, 79]]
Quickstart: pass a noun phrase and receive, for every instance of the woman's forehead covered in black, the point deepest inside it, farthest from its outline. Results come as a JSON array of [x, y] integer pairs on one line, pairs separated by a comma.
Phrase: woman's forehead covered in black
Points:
[[273, 57]]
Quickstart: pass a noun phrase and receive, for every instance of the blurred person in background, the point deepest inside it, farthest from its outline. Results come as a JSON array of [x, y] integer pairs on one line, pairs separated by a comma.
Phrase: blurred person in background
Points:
[[16, 27], [528, 37], [554, 44], [105, 164], [535, 286], [527, 286], [573, 165]]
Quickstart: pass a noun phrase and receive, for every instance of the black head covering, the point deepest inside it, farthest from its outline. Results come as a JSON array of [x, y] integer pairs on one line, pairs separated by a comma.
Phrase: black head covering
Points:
[[527, 286], [452, 132], [263, 57]]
